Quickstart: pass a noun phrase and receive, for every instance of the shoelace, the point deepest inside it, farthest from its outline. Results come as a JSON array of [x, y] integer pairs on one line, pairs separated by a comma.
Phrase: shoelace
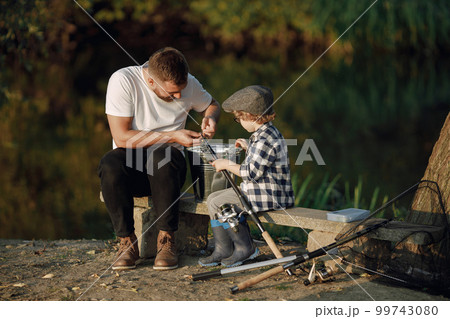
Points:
[[166, 244], [124, 244]]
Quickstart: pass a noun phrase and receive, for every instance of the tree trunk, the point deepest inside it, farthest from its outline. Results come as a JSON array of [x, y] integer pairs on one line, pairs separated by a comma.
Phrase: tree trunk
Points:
[[429, 265], [438, 170]]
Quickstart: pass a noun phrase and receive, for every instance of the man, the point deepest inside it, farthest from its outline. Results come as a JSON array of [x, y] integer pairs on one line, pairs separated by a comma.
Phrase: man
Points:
[[147, 107]]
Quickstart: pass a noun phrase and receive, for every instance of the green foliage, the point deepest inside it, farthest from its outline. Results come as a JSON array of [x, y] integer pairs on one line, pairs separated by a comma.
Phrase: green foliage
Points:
[[283, 287], [261, 19], [117, 10], [50, 186], [387, 24], [21, 28], [56, 61], [328, 195]]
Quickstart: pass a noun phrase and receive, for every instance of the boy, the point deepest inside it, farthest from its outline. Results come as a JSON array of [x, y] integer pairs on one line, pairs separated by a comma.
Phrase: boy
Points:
[[265, 175]]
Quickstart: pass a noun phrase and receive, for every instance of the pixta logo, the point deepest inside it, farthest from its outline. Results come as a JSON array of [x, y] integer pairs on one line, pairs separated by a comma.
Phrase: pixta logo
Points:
[[157, 155], [309, 146], [153, 157]]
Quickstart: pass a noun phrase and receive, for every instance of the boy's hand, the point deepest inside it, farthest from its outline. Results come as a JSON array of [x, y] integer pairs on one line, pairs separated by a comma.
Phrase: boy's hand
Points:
[[222, 164], [240, 142]]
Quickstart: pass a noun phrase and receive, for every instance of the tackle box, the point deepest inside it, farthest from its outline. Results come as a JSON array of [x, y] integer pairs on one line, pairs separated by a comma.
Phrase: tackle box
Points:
[[348, 215]]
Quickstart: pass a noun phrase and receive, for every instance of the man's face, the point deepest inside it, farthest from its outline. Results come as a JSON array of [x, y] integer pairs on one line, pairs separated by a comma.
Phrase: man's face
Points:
[[166, 90]]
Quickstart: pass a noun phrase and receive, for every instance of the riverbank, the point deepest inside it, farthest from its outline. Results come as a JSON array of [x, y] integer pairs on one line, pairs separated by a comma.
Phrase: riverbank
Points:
[[79, 270]]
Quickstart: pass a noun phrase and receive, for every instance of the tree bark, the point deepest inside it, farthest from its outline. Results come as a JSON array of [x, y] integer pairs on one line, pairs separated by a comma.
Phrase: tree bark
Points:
[[437, 170], [428, 265]]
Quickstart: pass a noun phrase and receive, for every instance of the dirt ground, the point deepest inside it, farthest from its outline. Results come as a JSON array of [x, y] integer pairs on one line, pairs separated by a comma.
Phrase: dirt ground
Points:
[[79, 270]]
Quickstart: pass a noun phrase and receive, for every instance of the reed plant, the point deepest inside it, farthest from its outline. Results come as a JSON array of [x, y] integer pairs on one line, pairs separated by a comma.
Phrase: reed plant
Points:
[[327, 195]]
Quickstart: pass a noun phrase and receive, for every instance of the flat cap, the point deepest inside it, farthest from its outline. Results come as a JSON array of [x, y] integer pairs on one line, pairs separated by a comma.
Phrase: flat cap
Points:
[[254, 99]]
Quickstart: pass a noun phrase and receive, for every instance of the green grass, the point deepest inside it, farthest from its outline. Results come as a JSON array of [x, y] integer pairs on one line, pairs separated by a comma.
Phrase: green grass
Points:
[[328, 195], [283, 287]]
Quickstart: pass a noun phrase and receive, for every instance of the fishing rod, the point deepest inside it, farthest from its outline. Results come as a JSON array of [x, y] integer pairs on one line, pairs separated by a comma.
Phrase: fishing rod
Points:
[[323, 250], [247, 207], [221, 272], [340, 240], [301, 259], [225, 271], [385, 205]]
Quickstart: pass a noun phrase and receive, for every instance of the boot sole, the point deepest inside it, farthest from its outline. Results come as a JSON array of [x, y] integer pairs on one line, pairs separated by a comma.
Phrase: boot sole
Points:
[[123, 267], [209, 265], [165, 267], [238, 263]]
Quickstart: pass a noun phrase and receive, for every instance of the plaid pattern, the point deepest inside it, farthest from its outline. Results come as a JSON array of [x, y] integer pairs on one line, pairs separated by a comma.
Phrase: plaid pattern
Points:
[[265, 171]]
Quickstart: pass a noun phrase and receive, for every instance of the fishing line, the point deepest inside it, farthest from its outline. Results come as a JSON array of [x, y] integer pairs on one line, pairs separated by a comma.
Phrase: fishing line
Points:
[[395, 199], [342, 259]]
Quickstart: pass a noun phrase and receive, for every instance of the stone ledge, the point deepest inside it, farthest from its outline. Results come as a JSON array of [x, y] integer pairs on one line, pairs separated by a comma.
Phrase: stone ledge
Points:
[[191, 236], [314, 219], [187, 204]]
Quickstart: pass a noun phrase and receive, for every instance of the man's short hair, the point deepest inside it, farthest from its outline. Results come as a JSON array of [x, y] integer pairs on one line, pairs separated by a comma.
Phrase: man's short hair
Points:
[[169, 64]]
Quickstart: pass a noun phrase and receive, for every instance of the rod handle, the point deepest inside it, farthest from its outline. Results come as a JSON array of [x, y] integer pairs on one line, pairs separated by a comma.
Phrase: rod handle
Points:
[[253, 281], [206, 275], [274, 248], [271, 244]]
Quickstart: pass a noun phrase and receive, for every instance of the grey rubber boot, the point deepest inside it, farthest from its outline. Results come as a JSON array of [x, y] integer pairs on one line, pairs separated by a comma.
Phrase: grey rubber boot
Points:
[[223, 246], [244, 248]]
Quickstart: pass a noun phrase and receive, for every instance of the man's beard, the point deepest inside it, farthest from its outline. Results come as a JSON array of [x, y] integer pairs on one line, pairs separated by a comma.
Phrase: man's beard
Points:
[[165, 98]]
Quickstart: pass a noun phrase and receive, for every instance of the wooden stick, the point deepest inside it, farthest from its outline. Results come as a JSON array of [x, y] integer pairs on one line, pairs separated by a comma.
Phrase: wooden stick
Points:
[[273, 247], [253, 281]]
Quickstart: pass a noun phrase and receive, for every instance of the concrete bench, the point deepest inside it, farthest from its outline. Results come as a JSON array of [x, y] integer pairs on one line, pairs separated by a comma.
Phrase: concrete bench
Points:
[[191, 236], [316, 220], [192, 233], [367, 249]]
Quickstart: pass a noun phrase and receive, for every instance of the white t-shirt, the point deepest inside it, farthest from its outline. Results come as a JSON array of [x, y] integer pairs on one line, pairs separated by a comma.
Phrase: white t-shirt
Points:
[[128, 95]]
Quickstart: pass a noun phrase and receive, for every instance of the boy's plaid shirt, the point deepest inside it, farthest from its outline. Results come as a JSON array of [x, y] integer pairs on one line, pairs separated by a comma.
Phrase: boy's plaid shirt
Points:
[[265, 170]]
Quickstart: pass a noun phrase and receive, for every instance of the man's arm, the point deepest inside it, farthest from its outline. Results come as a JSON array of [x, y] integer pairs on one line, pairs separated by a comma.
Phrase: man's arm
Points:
[[210, 118], [125, 137]]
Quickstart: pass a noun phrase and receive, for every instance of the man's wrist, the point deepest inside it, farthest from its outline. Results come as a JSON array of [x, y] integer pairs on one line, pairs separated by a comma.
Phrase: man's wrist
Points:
[[169, 137]]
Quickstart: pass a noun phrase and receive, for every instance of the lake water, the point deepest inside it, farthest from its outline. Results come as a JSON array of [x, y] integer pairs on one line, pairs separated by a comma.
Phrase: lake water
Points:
[[371, 118]]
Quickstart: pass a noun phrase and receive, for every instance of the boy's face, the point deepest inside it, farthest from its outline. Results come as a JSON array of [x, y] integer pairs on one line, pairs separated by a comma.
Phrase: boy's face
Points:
[[250, 126]]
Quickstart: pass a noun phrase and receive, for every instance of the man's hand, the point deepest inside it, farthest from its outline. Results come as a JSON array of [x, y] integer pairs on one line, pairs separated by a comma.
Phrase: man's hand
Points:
[[125, 137], [208, 126], [185, 137], [210, 118]]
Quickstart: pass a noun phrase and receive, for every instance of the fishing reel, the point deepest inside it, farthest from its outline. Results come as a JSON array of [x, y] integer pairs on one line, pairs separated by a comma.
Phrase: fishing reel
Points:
[[229, 215], [321, 275]]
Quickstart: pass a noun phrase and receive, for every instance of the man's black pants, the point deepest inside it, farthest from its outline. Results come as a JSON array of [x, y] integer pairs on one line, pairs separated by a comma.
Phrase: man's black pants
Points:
[[159, 171]]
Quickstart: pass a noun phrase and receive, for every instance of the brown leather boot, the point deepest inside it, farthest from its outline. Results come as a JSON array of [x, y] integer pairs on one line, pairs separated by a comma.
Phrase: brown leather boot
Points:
[[128, 253], [166, 256]]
